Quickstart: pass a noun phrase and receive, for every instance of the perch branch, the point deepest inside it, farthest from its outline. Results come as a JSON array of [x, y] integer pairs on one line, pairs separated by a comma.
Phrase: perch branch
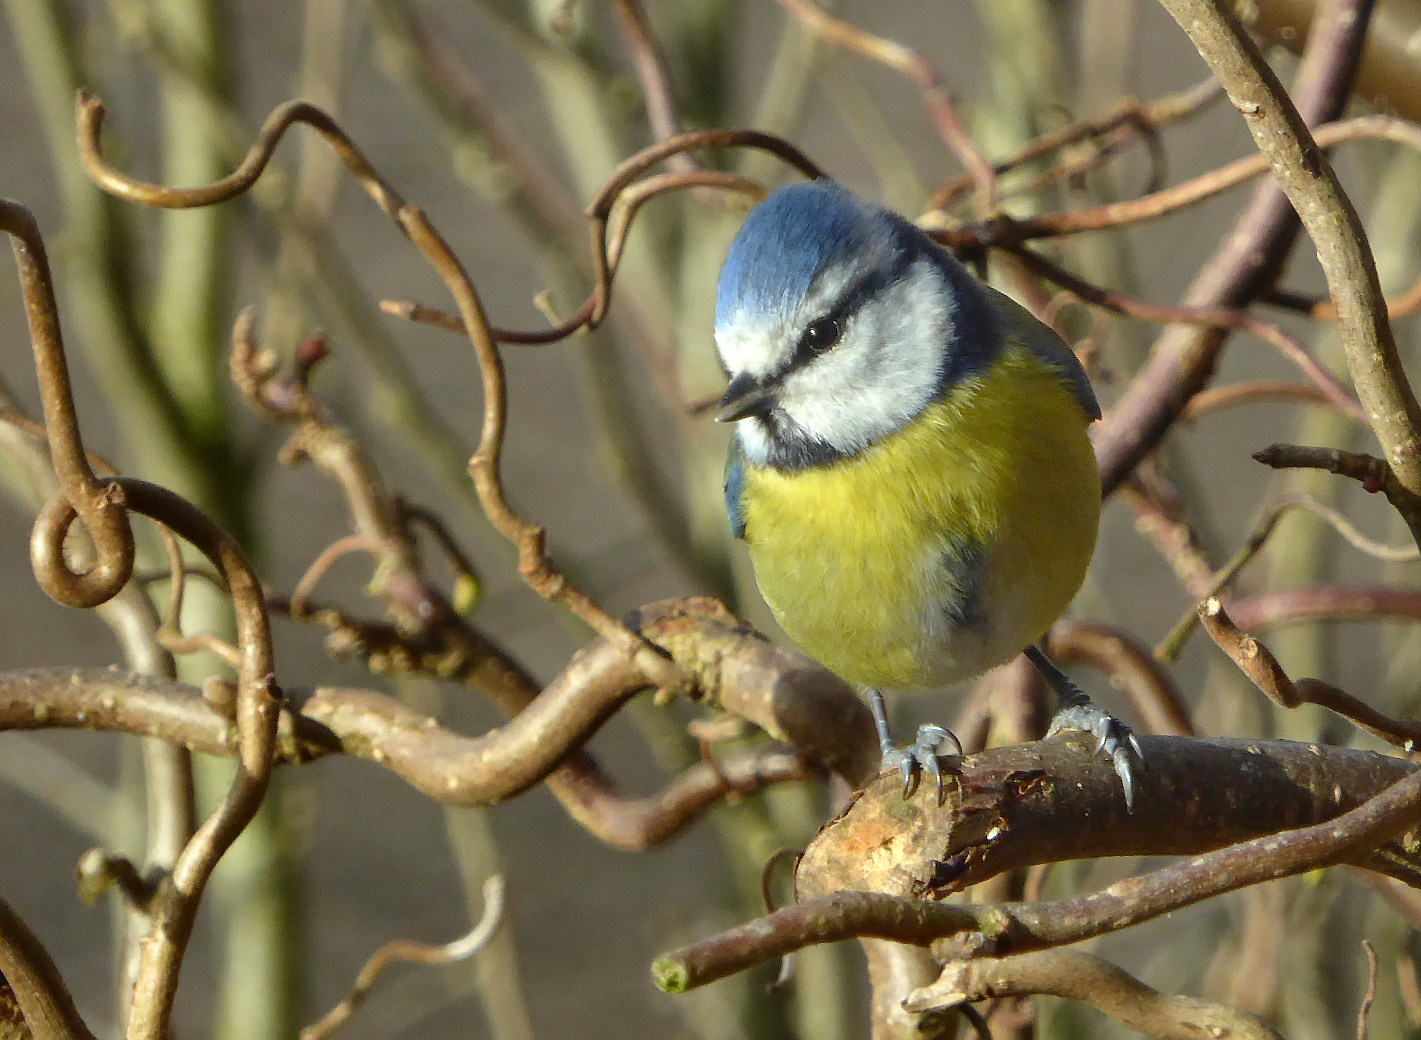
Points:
[[959, 931]]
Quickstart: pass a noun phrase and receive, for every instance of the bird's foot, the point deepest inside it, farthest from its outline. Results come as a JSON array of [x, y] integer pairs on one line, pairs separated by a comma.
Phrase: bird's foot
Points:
[[920, 755], [1113, 739]]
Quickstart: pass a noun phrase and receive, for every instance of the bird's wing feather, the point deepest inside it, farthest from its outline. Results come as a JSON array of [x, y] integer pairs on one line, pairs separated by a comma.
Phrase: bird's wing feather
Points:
[[1024, 328]]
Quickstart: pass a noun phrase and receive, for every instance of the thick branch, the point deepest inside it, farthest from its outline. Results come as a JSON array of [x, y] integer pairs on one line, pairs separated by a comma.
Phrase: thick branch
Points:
[[1053, 800], [958, 931]]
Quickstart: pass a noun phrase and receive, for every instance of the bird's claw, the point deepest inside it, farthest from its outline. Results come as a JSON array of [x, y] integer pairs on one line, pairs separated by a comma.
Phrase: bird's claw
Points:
[[1114, 740], [922, 754]]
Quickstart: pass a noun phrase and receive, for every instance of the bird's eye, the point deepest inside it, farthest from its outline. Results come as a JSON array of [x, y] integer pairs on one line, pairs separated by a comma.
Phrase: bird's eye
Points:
[[821, 335]]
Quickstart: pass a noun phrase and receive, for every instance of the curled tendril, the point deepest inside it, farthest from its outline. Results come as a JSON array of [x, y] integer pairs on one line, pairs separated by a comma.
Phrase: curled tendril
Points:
[[98, 504]]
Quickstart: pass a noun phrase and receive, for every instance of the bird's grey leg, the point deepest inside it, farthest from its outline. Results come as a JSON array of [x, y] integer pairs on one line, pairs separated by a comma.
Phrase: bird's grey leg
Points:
[[922, 754], [1075, 711]]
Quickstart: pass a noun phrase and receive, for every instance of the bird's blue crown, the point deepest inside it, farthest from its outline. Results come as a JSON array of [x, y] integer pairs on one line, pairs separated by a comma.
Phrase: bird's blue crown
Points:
[[797, 232]]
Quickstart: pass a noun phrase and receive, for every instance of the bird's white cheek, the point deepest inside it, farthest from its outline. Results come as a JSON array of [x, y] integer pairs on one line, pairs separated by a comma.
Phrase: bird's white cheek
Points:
[[754, 441]]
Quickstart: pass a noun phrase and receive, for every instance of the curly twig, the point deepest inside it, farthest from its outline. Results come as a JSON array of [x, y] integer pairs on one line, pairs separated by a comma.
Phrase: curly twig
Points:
[[413, 952], [103, 507], [92, 500]]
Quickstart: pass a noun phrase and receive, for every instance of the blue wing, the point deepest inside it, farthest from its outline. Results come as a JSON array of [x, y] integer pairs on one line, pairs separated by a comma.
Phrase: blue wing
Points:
[[734, 484]]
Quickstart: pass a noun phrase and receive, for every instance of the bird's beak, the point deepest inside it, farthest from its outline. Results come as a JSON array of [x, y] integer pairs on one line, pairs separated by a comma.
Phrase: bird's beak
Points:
[[744, 397]]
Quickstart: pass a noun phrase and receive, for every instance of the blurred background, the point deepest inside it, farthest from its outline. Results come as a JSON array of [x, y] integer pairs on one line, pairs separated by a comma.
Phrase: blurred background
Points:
[[501, 118]]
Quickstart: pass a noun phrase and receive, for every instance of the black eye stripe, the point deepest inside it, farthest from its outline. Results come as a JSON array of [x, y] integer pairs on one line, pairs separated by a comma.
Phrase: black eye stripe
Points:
[[855, 295]]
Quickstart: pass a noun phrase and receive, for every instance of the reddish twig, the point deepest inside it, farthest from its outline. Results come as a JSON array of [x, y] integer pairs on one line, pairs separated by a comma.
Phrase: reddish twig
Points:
[[651, 73], [1326, 603], [1218, 317], [1307, 178], [1250, 255], [1263, 529], [1171, 536], [1253, 391], [1129, 668]]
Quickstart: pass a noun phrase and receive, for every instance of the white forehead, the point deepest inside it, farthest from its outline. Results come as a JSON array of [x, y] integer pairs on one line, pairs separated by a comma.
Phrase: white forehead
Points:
[[758, 341]]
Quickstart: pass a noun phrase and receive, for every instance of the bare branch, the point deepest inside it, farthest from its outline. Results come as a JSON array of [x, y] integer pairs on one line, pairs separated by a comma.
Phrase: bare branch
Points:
[[39, 989], [958, 931], [1306, 176], [1263, 670], [789, 696], [1092, 980]]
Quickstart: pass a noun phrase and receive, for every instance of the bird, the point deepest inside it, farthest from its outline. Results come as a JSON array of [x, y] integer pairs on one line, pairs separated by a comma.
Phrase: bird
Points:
[[909, 466]]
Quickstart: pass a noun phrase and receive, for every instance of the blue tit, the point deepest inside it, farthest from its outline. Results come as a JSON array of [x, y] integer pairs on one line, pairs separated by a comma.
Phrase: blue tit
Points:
[[910, 466]]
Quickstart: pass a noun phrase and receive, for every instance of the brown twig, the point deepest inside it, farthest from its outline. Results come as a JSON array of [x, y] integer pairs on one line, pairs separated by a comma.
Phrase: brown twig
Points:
[[1307, 178], [534, 565], [1092, 980], [1169, 647], [1263, 670], [1373, 474], [1131, 115], [1218, 398], [97, 871], [785, 694], [909, 63], [608, 246], [39, 989], [409, 951]]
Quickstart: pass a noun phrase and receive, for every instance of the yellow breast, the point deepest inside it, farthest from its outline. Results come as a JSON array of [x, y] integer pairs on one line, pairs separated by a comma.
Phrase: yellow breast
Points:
[[849, 556]]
